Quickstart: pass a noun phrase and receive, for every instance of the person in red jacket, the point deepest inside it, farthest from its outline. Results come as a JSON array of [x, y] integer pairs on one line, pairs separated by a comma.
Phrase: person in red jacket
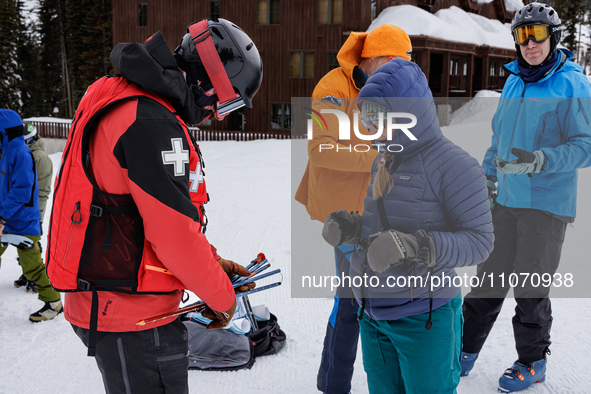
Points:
[[144, 211]]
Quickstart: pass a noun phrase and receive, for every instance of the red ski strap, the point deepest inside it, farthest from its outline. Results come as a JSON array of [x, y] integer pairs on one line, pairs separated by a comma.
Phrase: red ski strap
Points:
[[228, 99]]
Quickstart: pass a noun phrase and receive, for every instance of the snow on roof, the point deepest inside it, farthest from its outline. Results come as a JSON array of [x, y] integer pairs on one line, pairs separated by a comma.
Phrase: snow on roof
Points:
[[510, 5], [514, 5], [453, 24]]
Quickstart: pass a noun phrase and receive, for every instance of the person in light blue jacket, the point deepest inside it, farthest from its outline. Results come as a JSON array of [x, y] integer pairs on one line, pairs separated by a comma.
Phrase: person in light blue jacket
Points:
[[541, 137], [425, 213]]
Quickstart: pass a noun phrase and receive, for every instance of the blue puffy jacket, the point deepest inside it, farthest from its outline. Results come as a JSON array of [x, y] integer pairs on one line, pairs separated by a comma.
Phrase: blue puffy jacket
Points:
[[552, 115], [19, 191], [437, 185]]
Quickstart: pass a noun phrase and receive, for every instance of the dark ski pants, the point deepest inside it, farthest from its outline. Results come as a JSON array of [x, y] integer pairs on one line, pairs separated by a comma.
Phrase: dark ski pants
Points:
[[342, 335], [527, 241], [153, 361]]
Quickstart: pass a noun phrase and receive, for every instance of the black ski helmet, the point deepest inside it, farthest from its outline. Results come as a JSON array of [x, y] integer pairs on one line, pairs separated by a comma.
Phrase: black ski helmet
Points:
[[238, 54], [538, 14]]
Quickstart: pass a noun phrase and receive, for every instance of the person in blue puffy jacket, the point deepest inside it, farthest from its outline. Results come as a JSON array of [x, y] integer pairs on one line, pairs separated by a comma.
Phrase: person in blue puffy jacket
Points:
[[19, 211], [541, 136], [425, 213]]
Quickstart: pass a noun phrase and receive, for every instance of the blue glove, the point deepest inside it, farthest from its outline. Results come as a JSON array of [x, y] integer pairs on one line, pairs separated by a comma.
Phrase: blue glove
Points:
[[526, 162]]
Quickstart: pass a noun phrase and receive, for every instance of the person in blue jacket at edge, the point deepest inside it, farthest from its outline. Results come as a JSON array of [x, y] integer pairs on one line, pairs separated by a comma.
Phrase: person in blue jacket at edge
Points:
[[19, 210], [541, 136], [426, 212]]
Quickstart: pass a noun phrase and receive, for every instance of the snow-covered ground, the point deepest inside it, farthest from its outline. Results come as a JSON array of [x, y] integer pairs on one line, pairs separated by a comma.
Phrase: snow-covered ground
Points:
[[251, 185]]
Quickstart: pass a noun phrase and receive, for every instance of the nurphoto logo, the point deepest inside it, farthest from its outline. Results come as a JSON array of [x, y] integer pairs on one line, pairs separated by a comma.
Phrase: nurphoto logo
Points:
[[390, 124]]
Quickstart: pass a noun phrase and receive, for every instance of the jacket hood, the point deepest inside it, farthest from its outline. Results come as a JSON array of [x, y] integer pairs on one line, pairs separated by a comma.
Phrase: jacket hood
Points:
[[349, 55], [11, 126], [152, 66], [401, 86]]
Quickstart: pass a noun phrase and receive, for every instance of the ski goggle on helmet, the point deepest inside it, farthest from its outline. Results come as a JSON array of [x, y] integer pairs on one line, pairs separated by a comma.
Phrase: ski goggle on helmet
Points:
[[537, 33]]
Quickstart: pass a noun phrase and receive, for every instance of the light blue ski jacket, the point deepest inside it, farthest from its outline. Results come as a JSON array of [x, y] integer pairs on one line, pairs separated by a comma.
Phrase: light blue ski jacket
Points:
[[552, 115]]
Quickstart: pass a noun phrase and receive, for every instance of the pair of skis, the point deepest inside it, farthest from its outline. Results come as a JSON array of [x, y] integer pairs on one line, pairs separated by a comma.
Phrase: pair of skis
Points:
[[256, 267]]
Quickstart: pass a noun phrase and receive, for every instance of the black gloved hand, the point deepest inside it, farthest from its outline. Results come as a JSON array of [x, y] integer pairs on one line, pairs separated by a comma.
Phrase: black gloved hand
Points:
[[342, 227], [492, 192], [205, 99], [392, 247]]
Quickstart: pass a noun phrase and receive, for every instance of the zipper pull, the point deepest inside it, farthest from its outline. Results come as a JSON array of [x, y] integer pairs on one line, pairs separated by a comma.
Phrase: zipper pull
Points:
[[79, 214]]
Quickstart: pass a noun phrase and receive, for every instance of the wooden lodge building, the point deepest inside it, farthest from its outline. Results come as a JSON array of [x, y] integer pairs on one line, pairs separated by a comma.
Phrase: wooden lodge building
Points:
[[298, 41]]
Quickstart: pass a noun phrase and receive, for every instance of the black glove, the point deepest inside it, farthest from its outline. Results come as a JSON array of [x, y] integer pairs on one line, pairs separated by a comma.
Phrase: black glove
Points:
[[205, 99], [526, 162], [342, 227], [392, 247], [492, 193]]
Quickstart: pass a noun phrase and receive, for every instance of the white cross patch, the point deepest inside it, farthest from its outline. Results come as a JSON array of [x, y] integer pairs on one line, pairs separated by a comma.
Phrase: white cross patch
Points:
[[195, 178], [177, 156]]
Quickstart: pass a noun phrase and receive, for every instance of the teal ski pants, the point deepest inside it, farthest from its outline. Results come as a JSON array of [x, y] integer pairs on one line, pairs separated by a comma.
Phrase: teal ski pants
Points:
[[401, 356]]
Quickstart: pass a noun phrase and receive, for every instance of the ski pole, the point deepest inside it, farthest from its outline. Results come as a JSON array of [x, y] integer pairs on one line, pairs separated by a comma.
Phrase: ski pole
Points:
[[255, 278], [261, 268], [259, 259], [238, 278], [200, 306], [255, 263], [249, 313], [257, 289], [255, 272], [252, 273], [195, 307]]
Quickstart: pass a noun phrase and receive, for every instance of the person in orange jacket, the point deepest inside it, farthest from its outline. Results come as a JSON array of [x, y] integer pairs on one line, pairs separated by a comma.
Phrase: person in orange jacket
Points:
[[337, 178]]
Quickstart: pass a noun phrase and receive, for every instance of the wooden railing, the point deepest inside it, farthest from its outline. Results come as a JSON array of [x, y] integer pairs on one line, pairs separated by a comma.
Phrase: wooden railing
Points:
[[220, 135], [60, 130], [51, 129]]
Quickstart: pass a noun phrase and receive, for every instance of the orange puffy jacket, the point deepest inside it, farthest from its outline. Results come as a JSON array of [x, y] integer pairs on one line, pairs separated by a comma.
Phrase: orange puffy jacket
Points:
[[337, 179], [141, 154]]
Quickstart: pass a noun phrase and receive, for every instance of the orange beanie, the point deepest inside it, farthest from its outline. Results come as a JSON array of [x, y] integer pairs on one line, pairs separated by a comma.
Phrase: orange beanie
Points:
[[387, 40]]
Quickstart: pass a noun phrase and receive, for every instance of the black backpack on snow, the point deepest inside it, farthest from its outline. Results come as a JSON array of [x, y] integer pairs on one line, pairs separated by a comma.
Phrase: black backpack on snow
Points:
[[217, 350]]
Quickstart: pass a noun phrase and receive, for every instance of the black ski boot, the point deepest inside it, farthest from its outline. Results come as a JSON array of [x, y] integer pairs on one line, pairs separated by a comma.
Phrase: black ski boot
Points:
[[20, 282]]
